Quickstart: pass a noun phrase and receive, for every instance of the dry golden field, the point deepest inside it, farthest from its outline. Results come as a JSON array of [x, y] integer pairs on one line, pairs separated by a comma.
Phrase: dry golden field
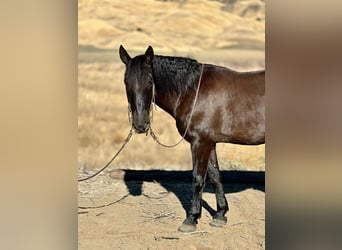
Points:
[[227, 33], [103, 126], [145, 214]]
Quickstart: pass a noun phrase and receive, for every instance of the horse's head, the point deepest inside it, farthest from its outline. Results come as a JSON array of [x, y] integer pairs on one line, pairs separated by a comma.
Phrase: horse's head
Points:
[[139, 87]]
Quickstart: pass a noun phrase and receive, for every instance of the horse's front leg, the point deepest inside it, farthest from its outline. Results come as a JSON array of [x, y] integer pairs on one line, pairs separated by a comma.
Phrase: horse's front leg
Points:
[[200, 156]]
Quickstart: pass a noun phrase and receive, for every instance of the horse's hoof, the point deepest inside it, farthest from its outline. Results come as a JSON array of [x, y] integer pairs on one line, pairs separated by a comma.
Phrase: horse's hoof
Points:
[[218, 223], [187, 228]]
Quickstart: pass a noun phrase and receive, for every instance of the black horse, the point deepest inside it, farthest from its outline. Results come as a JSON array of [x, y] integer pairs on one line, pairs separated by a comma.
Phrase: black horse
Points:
[[230, 108]]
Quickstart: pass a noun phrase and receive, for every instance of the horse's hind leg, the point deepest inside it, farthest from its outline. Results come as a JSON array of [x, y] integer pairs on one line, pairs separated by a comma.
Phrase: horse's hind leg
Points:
[[200, 156], [222, 205]]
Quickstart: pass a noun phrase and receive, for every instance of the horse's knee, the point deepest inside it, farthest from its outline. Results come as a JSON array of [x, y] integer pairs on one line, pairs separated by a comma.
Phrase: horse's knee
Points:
[[198, 179], [198, 182]]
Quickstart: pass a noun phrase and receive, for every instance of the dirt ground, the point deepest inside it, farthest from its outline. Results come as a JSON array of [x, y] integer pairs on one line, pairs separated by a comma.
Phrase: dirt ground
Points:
[[146, 214]]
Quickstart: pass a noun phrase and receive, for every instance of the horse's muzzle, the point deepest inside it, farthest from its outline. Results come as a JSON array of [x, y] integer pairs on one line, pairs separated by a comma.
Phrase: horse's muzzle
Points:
[[141, 125], [141, 128], [141, 122]]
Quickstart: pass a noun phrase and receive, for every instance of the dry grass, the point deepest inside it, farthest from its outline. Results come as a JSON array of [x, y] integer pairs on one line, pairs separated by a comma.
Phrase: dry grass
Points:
[[103, 126], [227, 33]]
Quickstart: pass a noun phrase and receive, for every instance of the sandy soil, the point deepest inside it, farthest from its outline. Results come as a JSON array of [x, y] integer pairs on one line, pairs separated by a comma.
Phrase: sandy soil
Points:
[[145, 213]]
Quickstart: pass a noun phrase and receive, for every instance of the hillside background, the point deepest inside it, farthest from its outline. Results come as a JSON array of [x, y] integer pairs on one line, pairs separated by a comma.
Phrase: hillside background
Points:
[[227, 33]]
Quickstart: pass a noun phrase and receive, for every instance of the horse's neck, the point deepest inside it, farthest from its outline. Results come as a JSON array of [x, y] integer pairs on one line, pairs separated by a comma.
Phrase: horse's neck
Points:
[[168, 93], [165, 100], [167, 103]]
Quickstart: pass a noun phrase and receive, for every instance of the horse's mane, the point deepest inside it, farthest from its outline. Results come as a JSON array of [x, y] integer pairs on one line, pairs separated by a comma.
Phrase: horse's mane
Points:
[[175, 74]]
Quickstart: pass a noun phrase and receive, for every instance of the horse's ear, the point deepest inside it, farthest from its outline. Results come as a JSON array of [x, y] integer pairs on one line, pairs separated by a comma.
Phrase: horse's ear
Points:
[[149, 55], [125, 58]]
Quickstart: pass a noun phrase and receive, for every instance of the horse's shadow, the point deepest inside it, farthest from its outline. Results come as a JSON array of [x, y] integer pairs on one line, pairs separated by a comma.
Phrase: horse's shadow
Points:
[[233, 181]]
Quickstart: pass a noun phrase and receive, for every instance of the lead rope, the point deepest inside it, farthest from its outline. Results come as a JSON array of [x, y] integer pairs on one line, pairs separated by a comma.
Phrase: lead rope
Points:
[[130, 133], [153, 135], [111, 160]]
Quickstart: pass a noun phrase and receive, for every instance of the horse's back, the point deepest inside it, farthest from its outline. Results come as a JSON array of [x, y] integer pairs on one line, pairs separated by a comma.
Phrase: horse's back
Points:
[[252, 82]]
